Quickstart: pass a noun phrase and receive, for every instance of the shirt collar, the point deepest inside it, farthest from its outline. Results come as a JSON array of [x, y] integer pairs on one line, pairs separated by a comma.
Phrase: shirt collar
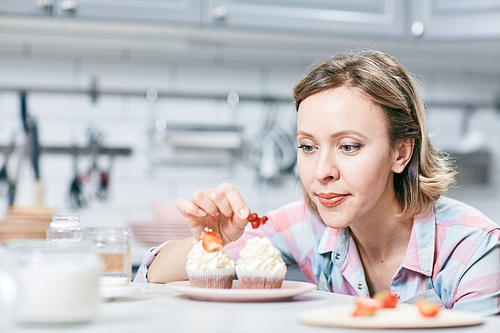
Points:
[[419, 255], [334, 240]]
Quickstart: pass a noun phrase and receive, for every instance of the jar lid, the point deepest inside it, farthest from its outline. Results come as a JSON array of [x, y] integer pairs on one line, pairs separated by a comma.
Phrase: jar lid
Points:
[[58, 224], [107, 233], [65, 221]]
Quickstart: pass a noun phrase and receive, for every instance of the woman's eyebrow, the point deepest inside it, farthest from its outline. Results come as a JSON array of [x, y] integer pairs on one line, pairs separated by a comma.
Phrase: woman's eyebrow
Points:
[[300, 132], [334, 135], [347, 132]]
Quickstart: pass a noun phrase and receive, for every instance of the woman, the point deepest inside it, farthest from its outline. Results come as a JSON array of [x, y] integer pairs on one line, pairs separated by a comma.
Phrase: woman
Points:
[[373, 217]]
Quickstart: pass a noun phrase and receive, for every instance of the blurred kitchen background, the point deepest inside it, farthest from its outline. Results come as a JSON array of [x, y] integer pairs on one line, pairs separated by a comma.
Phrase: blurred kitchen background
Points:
[[114, 109]]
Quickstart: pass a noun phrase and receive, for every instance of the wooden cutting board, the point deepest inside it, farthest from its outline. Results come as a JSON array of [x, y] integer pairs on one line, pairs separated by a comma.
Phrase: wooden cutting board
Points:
[[403, 316]]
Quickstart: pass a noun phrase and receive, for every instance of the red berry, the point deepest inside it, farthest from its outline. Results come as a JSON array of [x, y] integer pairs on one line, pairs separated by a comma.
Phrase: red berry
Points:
[[257, 221], [253, 217]]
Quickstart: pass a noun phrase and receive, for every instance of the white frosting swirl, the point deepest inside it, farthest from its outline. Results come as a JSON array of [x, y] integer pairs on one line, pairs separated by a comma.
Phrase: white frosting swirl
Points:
[[260, 256], [200, 260]]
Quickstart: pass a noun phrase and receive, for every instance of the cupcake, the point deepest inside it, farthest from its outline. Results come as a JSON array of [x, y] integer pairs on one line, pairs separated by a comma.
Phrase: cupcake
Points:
[[260, 265], [208, 265]]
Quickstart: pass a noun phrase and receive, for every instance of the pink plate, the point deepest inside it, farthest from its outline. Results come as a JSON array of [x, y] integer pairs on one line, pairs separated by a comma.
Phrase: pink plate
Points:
[[288, 290]]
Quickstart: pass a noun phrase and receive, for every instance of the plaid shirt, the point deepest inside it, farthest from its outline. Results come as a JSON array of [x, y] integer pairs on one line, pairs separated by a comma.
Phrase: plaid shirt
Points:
[[453, 256]]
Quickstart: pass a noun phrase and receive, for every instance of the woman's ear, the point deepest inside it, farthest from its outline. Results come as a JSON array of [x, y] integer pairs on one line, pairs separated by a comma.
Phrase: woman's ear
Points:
[[403, 155]]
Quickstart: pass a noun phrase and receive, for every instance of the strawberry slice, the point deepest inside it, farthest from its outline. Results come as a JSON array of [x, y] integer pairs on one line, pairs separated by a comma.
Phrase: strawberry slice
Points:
[[427, 308], [210, 241], [366, 307], [387, 299]]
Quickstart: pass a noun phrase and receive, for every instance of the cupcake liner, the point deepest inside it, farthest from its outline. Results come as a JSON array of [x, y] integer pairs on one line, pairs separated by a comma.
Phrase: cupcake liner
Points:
[[221, 278], [259, 279], [260, 283]]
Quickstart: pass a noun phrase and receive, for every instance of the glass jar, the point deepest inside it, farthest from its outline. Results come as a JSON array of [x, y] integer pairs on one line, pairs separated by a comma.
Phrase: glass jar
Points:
[[58, 282], [8, 289], [65, 228], [113, 245]]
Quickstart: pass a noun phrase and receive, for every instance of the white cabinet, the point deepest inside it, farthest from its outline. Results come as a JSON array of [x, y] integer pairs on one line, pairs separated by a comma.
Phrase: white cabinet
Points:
[[339, 17], [452, 19], [27, 7], [392, 19], [161, 11]]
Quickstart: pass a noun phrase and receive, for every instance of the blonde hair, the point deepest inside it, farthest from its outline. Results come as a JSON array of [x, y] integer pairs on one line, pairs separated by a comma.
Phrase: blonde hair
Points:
[[386, 82]]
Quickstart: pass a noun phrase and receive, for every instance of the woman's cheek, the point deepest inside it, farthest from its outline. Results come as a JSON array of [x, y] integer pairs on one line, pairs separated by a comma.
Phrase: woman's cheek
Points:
[[305, 166]]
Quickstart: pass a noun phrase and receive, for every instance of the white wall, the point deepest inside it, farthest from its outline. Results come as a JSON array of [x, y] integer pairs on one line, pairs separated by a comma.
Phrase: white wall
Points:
[[135, 185]]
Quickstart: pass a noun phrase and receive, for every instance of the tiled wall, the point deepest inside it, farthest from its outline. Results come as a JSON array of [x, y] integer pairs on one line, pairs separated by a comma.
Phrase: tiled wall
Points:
[[125, 121]]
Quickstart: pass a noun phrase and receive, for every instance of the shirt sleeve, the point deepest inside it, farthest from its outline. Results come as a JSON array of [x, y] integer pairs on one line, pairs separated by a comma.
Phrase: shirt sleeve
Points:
[[478, 289], [142, 272]]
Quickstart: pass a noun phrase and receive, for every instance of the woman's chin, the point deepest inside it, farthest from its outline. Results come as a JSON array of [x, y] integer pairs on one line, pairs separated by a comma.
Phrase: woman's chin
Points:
[[334, 220]]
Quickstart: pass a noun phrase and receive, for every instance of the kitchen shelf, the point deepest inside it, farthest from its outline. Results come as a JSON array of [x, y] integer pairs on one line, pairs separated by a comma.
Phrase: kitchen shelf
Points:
[[114, 151], [95, 93]]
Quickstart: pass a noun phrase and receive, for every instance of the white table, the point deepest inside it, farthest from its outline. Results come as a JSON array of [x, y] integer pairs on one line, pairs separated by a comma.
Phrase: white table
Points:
[[169, 311]]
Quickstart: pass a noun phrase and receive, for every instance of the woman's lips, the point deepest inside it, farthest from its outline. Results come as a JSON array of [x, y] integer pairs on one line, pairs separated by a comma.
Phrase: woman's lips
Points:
[[331, 199]]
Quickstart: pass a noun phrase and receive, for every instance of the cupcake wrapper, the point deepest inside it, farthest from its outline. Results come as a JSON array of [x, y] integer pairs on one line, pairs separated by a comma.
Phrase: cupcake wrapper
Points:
[[217, 279], [259, 283], [259, 279]]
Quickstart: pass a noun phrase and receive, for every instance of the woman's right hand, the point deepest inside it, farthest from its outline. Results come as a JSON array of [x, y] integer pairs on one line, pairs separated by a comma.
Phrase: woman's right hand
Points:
[[221, 209]]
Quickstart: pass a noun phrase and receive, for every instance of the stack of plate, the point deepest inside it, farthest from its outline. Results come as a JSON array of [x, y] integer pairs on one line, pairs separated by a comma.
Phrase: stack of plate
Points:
[[158, 231], [25, 222]]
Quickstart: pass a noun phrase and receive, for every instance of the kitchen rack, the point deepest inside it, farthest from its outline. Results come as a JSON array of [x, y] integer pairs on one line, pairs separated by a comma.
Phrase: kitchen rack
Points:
[[95, 92], [112, 151]]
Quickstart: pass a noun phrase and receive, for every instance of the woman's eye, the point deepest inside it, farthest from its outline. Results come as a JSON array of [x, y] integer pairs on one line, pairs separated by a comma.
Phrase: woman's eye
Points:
[[350, 148], [306, 148]]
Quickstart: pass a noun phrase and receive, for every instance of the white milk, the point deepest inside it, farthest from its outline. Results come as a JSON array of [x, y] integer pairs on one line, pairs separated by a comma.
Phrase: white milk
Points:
[[58, 287], [114, 281]]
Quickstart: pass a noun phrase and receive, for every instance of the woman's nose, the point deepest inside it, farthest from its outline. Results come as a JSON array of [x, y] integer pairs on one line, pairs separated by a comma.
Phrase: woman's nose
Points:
[[326, 168]]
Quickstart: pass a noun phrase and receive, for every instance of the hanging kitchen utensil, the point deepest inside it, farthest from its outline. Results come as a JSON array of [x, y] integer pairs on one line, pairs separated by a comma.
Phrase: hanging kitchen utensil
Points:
[[76, 197], [102, 190], [31, 130], [4, 179], [92, 178], [14, 176], [272, 151], [35, 159]]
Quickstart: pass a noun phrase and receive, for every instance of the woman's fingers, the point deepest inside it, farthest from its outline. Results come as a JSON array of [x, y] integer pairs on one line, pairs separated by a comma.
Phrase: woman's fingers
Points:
[[225, 200], [187, 208], [219, 199], [193, 215], [235, 200], [203, 201], [221, 209]]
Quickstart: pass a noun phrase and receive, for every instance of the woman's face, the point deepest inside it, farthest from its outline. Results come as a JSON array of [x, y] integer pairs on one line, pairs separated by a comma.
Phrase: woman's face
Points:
[[345, 161]]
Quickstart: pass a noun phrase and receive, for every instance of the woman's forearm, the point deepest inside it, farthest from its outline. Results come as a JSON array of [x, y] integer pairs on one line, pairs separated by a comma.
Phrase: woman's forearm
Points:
[[170, 263]]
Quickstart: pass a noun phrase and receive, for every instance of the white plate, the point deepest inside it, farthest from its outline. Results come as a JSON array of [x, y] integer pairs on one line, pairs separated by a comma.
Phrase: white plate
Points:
[[118, 291], [288, 290], [403, 316]]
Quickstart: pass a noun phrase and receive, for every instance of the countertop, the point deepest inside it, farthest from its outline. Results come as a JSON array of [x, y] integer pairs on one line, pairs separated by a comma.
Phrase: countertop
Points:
[[157, 308]]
